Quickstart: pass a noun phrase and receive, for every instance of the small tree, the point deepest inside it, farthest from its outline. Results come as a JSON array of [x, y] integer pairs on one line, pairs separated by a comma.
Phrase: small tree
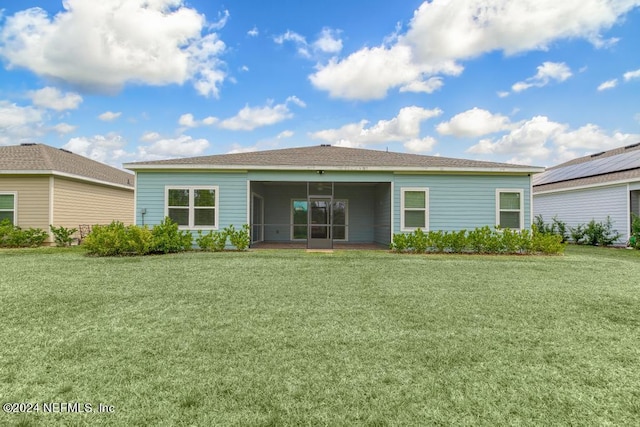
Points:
[[62, 236]]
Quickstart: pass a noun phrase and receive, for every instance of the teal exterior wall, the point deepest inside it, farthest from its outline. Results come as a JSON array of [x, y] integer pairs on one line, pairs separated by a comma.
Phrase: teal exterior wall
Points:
[[232, 197], [455, 201], [459, 202]]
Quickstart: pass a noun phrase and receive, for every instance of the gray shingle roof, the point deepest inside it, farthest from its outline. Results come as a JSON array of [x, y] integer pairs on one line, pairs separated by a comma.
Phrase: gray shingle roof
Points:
[[325, 156], [40, 158], [592, 169]]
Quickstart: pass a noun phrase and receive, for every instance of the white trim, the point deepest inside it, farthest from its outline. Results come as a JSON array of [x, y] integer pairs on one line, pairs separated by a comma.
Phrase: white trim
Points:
[[403, 190], [252, 206], [15, 204], [521, 210], [530, 202], [629, 211], [191, 206], [392, 216], [588, 186], [66, 175], [239, 168], [249, 200], [51, 202]]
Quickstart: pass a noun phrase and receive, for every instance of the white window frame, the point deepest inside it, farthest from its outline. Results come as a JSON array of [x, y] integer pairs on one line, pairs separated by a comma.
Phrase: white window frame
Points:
[[404, 190], [191, 206], [521, 210], [15, 205]]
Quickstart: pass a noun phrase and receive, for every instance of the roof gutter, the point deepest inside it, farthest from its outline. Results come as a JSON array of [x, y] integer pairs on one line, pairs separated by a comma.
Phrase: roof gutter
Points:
[[66, 175], [408, 169]]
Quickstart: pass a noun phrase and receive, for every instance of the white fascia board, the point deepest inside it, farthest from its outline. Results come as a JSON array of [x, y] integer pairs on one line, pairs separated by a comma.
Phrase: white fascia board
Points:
[[588, 186], [405, 169], [66, 175]]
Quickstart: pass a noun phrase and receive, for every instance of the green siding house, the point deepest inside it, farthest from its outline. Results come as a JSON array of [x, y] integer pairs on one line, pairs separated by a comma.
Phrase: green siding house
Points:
[[325, 194]]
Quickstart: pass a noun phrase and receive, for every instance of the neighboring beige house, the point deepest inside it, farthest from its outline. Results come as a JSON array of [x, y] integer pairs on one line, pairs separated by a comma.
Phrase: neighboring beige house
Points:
[[42, 185]]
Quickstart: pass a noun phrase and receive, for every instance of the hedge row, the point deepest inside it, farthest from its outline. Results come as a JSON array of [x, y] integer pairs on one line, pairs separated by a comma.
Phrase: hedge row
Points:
[[12, 236], [481, 240], [117, 239]]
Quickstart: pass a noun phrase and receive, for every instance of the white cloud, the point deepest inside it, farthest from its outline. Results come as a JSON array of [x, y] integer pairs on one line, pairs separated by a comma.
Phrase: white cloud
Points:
[[629, 75], [442, 33], [182, 146], [547, 72], [503, 94], [250, 118], [53, 99], [150, 136], [101, 46], [405, 128], [609, 84], [108, 149], [253, 32], [64, 128], [426, 86], [474, 123], [423, 145], [540, 139], [12, 115], [187, 120], [285, 134], [328, 41], [109, 116]]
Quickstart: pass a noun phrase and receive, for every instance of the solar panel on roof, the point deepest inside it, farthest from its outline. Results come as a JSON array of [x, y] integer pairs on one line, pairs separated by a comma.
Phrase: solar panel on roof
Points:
[[594, 167]]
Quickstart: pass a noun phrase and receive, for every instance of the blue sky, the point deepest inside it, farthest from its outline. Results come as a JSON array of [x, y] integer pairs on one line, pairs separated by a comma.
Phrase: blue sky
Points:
[[526, 81]]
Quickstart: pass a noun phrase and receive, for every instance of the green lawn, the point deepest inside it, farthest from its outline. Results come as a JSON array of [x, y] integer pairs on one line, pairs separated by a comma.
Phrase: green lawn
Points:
[[294, 338]]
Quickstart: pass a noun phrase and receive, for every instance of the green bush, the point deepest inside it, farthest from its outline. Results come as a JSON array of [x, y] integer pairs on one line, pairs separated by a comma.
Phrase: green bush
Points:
[[212, 241], [556, 227], [12, 236], [167, 238], [63, 236], [577, 234], [482, 240], [601, 233], [399, 243], [634, 239], [241, 239], [117, 239]]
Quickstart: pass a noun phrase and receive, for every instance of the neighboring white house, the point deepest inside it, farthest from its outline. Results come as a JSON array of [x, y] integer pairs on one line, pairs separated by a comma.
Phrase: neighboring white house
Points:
[[592, 187]]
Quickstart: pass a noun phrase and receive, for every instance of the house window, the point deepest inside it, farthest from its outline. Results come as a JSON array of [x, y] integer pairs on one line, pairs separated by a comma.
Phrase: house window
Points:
[[414, 206], [8, 207], [193, 207], [509, 208]]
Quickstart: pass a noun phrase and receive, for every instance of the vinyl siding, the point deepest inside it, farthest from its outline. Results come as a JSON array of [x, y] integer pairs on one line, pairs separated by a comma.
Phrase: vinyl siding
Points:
[[459, 202], [33, 199], [581, 206], [77, 202], [232, 197]]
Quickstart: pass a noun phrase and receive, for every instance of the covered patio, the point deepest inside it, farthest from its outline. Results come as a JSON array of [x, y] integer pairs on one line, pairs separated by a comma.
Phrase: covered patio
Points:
[[321, 215]]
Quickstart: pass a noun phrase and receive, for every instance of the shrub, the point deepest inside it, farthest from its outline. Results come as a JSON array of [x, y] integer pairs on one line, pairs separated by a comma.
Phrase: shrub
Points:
[[601, 233], [556, 227], [577, 234], [12, 236], [634, 239], [167, 238], [116, 239], [241, 239], [399, 243], [480, 240], [62, 235], [212, 241]]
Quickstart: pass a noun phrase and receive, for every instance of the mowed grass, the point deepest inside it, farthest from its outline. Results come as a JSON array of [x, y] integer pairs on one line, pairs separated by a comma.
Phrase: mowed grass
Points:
[[349, 338]]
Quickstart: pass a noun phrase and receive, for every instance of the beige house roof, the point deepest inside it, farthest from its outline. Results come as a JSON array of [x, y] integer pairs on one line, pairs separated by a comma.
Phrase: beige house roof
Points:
[[44, 159], [331, 158], [589, 170]]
